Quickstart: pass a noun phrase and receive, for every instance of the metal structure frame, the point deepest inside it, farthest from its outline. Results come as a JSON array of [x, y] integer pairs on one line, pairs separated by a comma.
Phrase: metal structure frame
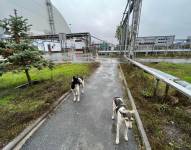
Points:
[[86, 36], [130, 26], [51, 16]]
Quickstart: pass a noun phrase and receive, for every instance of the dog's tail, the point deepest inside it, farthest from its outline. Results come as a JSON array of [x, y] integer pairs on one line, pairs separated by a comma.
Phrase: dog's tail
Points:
[[81, 77]]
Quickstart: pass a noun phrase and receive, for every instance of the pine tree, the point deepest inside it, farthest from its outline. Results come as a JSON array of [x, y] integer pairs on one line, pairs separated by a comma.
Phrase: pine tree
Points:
[[20, 54]]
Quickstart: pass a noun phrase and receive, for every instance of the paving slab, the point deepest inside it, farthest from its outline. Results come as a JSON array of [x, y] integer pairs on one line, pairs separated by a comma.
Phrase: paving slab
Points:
[[86, 125]]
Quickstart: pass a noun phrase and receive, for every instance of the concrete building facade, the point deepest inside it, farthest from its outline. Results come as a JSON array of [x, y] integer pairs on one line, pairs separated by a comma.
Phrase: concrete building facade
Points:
[[154, 42]]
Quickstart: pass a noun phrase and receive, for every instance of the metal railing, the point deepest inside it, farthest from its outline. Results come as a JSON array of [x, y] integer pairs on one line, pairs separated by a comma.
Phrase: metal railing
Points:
[[148, 51], [158, 76]]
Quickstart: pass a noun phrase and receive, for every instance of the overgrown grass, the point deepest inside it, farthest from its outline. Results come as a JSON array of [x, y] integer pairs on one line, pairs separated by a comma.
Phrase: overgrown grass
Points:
[[11, 79], [183, 71], [167, 125], [18, 107]]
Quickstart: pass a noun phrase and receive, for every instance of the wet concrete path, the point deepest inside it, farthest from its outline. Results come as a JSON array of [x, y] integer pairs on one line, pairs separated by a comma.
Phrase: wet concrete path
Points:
[[86, 125]]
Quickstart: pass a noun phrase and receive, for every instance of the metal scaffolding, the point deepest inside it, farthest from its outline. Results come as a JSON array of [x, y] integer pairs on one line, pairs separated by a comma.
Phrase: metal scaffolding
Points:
[[130, 26], [51, 17]]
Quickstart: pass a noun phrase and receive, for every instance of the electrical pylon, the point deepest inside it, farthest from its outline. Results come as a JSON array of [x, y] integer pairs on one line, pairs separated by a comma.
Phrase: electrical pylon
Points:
[[130, 26], [51, 16]]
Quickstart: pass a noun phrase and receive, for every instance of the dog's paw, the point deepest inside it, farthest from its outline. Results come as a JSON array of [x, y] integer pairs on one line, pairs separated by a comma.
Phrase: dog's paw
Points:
[[117, 142], [126, 139], [112, 117], [74, 100]]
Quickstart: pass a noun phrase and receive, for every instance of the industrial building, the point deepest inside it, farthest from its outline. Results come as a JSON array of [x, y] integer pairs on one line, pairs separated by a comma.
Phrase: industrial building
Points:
[[41, 14], [189, 40], [182, 43], [154, 42]]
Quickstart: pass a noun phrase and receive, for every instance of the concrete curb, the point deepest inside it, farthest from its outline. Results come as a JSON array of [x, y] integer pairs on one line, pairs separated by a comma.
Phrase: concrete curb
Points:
[[137, 117], [34, 126]]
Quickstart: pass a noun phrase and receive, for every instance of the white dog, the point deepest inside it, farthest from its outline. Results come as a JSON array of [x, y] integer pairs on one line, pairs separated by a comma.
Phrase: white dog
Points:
[[77, 82], [123, 116]]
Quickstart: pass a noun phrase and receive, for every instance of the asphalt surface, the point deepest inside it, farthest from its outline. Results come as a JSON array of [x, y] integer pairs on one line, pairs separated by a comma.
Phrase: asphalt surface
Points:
[[86, 125]]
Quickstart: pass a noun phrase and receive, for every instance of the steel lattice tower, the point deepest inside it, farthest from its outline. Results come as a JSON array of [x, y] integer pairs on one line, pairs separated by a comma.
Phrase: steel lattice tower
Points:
[[51, 16], [130, 26]]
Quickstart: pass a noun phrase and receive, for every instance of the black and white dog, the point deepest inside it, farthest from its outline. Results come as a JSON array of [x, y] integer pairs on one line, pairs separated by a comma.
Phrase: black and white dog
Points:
[[123, 116], [77, 82]]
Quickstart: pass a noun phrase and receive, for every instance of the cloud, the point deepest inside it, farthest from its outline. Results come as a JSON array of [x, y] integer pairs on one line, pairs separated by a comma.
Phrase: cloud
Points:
[[166, 17], [100, 17]]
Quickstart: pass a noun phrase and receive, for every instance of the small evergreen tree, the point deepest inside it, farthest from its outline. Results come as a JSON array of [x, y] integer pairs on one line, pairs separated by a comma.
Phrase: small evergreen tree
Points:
[[20, 54]]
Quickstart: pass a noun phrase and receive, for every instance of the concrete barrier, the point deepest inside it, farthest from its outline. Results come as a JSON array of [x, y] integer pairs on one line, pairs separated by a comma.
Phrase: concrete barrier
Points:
[[137, 117]]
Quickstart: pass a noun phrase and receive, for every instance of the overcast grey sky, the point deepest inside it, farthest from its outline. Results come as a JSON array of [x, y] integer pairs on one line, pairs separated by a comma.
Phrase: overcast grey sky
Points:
[[100, 17]]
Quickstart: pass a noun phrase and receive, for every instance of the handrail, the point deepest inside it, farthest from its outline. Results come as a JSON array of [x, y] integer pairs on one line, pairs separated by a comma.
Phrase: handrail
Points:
[[171, 83], [148, 51]]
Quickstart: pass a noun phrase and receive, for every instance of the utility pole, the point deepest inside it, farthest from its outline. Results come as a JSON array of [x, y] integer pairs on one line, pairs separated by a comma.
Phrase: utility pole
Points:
[[51, 16]]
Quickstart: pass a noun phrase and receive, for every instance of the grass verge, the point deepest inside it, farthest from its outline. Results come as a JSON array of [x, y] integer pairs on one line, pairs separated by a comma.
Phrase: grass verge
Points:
[[168, 125], [18, 107], [183, 71]]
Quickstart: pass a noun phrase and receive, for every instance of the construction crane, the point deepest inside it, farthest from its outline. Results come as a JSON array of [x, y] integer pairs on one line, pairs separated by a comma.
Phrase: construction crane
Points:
[[130, 26]]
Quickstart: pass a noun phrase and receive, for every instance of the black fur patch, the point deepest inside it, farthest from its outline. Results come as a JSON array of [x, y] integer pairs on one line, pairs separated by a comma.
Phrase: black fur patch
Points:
[[118, 103], [75, 81]]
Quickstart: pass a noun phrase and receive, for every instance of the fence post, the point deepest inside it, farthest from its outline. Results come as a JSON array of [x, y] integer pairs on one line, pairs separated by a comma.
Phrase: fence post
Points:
[[166, 90], [156, 84]]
